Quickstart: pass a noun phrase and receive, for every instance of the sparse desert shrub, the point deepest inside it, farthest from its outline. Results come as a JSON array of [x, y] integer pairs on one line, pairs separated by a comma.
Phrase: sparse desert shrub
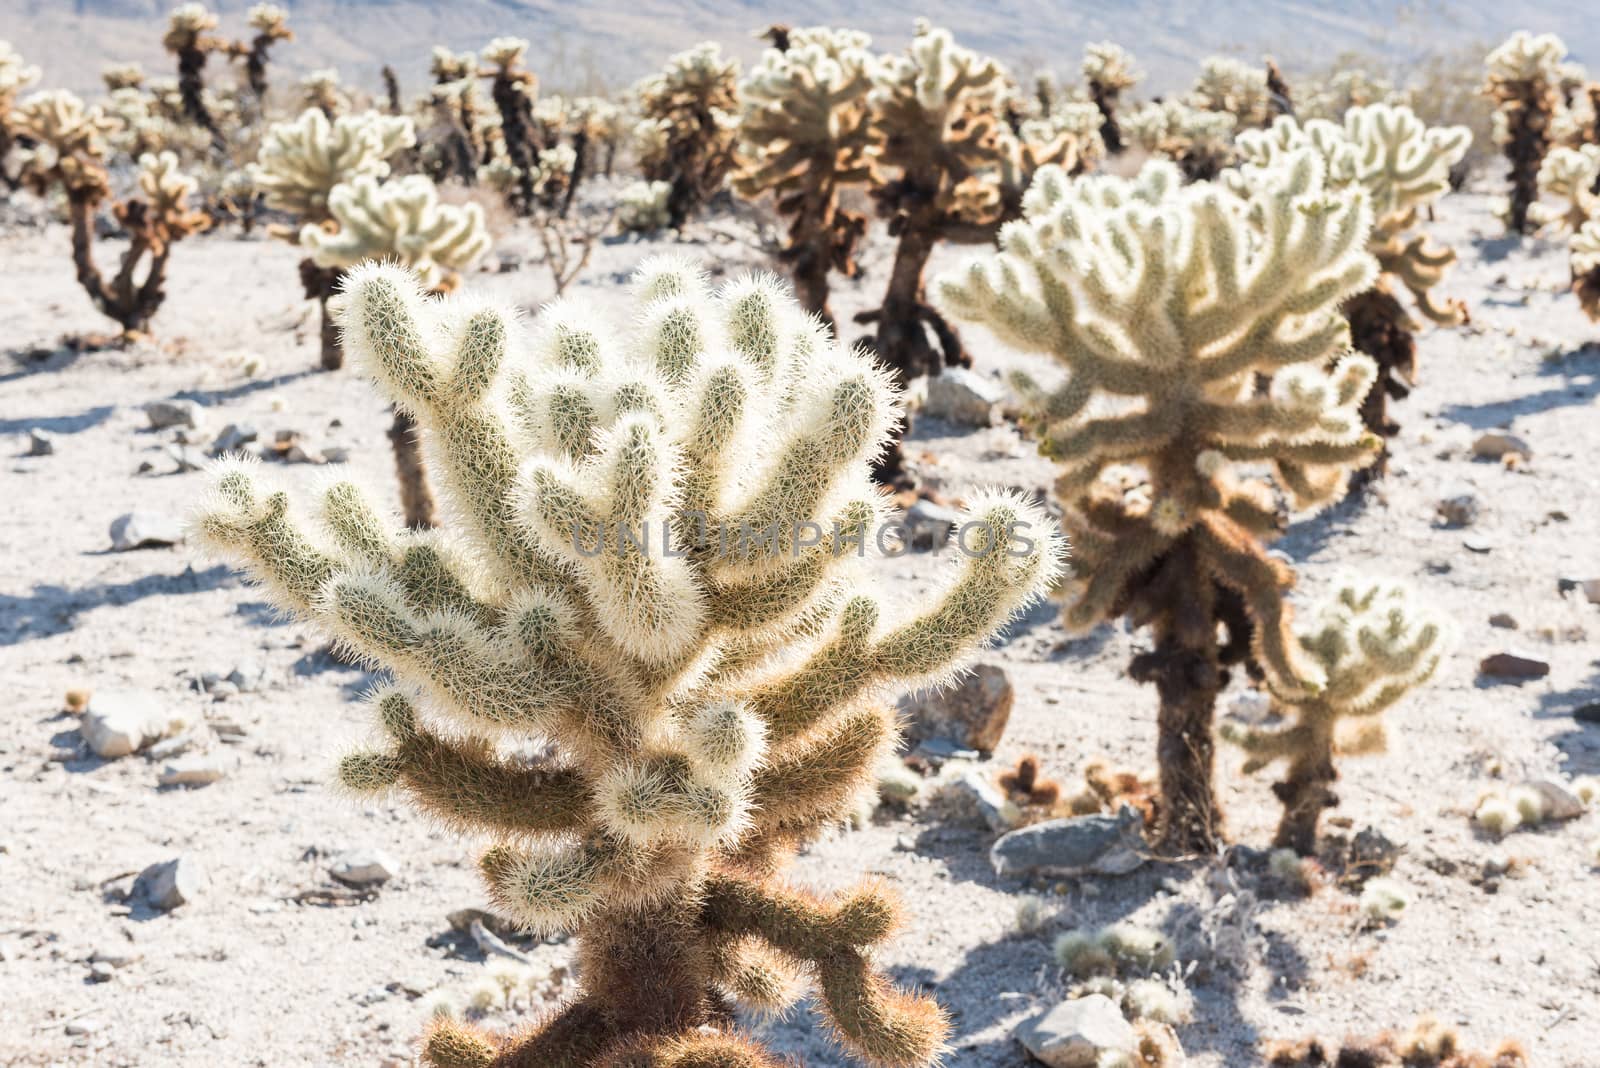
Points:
[[1524, 76], [1403, 167], [1110, 71], [804, 135], [711, 710], [1167, 304], [296, 170], [691, 111], [68, 155], [1371, 646], [15, 76]]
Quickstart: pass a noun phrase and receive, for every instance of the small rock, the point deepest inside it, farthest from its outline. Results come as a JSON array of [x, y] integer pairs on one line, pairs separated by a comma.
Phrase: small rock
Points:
[[247, 676], [1513, 666], [1459, 509], [168, 748], [170, 413], [1075, 1033], [182, 457], [1496, 864], [1477, 545], [364, 867], [199, 770], [140, 530], [120, 722], [929, 526], [1077, 845], [1559, 803], [41, 442], [335, 454], [101, 972], [959, 395], [232, 438], [222, 689], [170, 883], [1497, 444], [1250, 707], [1591, 590], [87, 1026], [1589, 713], [1503, 621], [971, 713], [976, 798]]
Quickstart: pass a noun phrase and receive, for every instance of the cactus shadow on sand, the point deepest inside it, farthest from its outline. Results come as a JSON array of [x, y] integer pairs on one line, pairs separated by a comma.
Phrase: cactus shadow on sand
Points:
[[50, 610], [59, 424]]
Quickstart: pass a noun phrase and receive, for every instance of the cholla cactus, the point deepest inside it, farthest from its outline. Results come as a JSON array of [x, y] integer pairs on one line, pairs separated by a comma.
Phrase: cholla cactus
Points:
[[1346, 88], [190, 39], [271, 24], [1427, 1045], [1109, 70], [1404, 167], [642, 206], [69, 154], [301, 161], [1585, 254], [319, 89], [1572, 175], [1168, 304], [1234, 86], [710, 708], [400, 221], [693, 108], [1370, 645], [1523, 81], [15, 75], [514, 90], [1200, 142], [455, 144], [599, 121], [804, 136], [119, 76]]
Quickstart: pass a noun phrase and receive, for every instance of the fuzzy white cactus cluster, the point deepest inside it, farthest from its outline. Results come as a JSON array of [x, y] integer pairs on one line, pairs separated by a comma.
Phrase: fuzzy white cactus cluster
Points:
[[1571, 175], [642, 206], [939, 72], [821, 68], [267, 18], [15, 73], [1110, 66], [707, 700], [300, 162], [164, 184], [505, 52], [1345, 89], [402, 221], [322, 89], [1528, 57], [1234, 86]]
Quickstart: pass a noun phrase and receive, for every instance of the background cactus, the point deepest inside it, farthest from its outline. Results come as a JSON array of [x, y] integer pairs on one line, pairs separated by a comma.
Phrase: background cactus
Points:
[[15, 75], [271, 25], [708, 711], [692, 107], [1371, 645], [1166, 304], [1524, 75], [804, 135], [189, 38], [642, 206], [1585, 256], [1234, 86], [1200, 142], [1573, 176], [1110, 71], [1403, 166], [513, 90]]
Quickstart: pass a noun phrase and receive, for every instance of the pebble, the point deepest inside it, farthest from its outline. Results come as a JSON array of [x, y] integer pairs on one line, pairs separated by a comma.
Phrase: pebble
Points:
[[1459, 509], [144, 530], [1503, 621], [199, 770], [101, 972], [335, 454], [232, 438], [41, 442], [247, 676], [87, 1026], [120, 722], [959, 395], [1497, 444], [180, 455], [929, 526], [1559, 803], [1077, 1032], [973, 713], [170, 413], [170, 883], [1513, 666], [977, 797], [364, 867]]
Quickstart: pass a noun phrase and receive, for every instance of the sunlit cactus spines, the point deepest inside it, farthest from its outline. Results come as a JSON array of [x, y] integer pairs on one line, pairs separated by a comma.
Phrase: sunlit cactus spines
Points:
[[401, 221], [1572, 176], [804, 136], [1110, 71], [1236, 87], [1200, 142], [301, 161], [1524, 78], [1370, 644], [1403, 165], [709, 708], [1168, 304], [691, 112]]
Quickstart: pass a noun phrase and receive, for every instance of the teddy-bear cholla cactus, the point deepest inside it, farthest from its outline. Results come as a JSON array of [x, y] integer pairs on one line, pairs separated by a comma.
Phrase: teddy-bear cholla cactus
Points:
[[15, 75], [1168, 304], [190, 39], [1110, 71], [1234, 86], [1585, 256], [513, 90], [692, 107], [708, 708], [1370, 645], [1200, 142], [271, 25], [804, 135], [642, 206], [1572, 175], [1524, 75], [1404, 166]]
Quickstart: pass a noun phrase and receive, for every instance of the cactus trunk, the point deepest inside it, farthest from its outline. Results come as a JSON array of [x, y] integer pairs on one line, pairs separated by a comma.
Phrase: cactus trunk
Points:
[[130, 303], [320, 284], [416, 498], [902, 338], [1306, 790], [1380, 328]]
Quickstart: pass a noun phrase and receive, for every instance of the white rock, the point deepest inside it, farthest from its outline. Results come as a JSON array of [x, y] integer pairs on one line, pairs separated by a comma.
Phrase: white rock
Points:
[[171, 883], [1459, 509], [169, 413], [202, 769], [1497, 444], [1557, 801], [1591, 590], [1075, 1033], [120, 722], [959, 395], [138, 530], [971, 792], [41, 442], [364, 867]]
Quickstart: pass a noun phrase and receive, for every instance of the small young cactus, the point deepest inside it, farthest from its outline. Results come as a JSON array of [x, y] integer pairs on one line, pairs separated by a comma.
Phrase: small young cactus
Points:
[[693, 108], [804, 136], [1371, 646], [1524, 77], [642, 206], [1110, 71], [1168, 304], [1403, 165], [714, 699]]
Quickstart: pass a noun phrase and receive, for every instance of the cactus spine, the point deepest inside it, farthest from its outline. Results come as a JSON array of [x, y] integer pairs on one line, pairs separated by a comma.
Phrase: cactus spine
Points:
[[1524, 75], [1371, 646], [1404, 167], [804, 135], [711, 707], [1166, 303]]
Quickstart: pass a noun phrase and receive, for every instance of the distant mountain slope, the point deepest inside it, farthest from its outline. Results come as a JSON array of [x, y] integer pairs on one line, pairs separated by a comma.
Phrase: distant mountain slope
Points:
[[584, 44]]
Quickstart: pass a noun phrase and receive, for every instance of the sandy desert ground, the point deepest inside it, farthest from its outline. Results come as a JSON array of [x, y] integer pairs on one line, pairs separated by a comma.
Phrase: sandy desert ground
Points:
[[245, 974]]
